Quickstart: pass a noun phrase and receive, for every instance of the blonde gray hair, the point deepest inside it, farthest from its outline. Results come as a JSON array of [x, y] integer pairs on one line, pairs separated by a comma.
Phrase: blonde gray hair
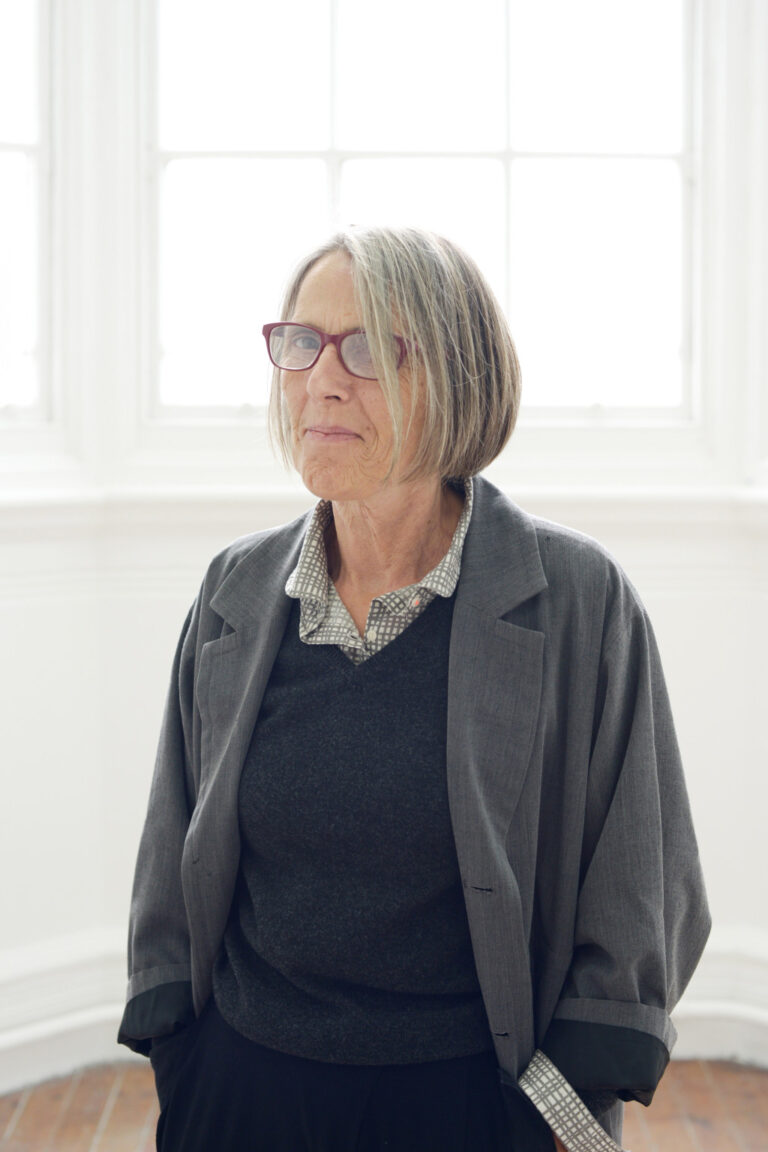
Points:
[[460, 351]]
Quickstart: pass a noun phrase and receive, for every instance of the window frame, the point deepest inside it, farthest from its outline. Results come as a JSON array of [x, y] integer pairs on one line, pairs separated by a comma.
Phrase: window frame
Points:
[[334, 158], [102, 432], [571, 435], [17, 417]]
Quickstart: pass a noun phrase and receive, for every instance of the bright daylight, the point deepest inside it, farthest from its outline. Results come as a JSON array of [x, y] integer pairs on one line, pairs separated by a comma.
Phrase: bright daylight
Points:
[[383, 594]]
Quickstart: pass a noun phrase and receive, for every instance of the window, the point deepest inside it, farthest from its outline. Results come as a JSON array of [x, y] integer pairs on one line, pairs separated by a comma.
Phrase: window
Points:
[[528, 132], [163, 163], [22, 211]]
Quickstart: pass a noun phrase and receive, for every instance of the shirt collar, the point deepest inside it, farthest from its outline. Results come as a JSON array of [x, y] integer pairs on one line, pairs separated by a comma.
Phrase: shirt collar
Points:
[[309, 580]]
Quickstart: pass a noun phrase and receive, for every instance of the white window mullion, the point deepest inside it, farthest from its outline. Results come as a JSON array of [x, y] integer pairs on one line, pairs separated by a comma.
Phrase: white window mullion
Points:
[[45, 213], [691, 184], [334, 160], [38, 445], [150, 175], [508, 169], [23, 203], [756, 464]]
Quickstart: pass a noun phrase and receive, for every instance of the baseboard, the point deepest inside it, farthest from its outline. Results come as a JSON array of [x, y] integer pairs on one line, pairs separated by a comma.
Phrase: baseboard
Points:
[[61, 1003], [724, 1013], [60, 1006], [60, 1046], [722, 1032]]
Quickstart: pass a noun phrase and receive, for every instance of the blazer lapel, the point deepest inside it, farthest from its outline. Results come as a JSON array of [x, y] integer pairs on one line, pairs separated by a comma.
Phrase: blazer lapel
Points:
[[495, 676], [234, 669], [495, 671], [494, 697], [233, 674]]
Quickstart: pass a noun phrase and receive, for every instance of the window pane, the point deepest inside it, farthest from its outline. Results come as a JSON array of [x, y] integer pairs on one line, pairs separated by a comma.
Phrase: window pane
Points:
[[18, 72], [596, 281], [420, 76], [18, 379], [18, 280], [463, 199], [600, 239], [238, 75], [596, 76], [231, 230]]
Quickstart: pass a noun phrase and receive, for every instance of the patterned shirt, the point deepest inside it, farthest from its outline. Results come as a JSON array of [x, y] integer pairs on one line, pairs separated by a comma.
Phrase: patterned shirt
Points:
[[324, 619]]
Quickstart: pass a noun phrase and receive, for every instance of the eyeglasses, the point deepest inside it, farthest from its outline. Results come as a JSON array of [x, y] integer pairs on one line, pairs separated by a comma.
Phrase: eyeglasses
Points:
[[297, 347]]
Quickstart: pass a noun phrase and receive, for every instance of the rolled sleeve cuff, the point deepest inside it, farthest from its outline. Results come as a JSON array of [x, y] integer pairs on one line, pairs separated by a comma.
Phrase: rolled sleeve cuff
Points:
[[158, 1011], [597, 1057], [641, 1018]]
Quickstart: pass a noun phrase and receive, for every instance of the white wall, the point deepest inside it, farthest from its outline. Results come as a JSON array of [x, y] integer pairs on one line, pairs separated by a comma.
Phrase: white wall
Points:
[[92, 595], [94, 583]]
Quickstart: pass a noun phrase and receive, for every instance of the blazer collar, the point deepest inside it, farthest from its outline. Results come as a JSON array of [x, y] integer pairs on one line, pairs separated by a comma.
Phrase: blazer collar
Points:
[[252, 586], [501, 564]]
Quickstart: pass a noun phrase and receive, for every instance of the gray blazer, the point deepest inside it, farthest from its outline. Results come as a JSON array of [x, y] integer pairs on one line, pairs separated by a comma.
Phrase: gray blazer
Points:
[[573, 833]]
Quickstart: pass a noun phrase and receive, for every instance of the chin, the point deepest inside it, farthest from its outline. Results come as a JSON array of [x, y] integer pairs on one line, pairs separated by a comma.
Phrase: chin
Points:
[[338, 474], [328, 484], [324, 482]]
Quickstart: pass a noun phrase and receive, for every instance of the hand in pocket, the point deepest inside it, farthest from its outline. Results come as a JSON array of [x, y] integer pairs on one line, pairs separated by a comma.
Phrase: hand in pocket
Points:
[[167, 1056]]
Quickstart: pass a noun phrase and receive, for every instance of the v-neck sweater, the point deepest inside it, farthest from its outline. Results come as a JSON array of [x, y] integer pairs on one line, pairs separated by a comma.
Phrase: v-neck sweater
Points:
[[347, 939]]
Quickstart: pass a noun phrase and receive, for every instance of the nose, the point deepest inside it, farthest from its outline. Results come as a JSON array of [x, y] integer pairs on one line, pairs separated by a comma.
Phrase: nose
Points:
[[328, 378]]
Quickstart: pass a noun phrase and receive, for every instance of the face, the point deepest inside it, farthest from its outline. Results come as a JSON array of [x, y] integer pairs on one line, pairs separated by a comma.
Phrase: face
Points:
[[341, 430]]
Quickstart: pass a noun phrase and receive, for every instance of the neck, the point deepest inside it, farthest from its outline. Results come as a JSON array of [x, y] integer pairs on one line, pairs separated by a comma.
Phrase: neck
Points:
[[392, 540]]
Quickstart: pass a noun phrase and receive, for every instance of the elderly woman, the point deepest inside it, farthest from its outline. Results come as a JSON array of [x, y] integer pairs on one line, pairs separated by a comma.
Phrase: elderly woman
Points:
[[418, 870]]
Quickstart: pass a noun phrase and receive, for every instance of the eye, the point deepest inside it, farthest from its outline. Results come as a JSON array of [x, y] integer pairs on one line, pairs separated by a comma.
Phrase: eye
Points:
[[305, 340], [357, 355]]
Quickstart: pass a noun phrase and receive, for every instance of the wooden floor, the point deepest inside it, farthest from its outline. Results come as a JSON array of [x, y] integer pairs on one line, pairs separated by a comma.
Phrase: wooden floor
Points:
[[699, 1107]]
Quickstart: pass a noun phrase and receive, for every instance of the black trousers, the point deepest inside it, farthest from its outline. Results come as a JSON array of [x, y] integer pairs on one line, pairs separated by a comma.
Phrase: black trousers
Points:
[[220, 1092]]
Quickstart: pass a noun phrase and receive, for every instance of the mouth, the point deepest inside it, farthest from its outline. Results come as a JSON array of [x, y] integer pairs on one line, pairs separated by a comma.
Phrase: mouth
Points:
[[329, 434]]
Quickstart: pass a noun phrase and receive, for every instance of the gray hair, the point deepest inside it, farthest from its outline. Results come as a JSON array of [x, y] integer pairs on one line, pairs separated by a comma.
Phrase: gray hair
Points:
[[455, 332]]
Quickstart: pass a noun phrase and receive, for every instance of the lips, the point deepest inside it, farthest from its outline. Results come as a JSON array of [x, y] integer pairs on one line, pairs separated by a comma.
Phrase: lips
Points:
[[330, 433]]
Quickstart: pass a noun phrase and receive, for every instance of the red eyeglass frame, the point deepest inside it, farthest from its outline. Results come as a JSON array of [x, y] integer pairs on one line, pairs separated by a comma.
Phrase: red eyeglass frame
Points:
[[326, 338]]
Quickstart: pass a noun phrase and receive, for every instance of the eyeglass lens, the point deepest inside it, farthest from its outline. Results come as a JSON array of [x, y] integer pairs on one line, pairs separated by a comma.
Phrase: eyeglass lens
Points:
[[294, 347]]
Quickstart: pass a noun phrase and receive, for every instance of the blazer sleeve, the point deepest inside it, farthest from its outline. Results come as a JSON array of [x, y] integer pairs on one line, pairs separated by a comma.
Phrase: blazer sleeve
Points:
[[159, 986], [641, 915]]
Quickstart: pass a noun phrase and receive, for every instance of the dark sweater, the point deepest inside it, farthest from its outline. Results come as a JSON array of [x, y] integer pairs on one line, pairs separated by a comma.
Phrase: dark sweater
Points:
[[347, 939]]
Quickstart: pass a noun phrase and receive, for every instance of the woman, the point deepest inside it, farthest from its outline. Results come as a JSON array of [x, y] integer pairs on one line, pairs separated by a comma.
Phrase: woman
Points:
[[418, 870]]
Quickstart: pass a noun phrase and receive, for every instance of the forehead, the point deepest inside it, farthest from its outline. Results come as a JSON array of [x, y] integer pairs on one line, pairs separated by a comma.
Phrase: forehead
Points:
[[327, 293]]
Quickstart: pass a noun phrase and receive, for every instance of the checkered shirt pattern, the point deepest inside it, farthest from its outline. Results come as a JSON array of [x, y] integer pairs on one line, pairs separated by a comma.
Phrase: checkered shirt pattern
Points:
[[325, 620], [562, 1109]]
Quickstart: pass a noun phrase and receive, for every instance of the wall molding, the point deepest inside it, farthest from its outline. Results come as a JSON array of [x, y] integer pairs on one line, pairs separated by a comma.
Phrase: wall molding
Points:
[[105, 546], [32, 515], [724, 1013], [61, 1004]]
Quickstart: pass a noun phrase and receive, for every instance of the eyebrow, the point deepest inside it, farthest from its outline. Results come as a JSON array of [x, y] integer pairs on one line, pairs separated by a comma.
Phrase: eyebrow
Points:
[[317, 328]]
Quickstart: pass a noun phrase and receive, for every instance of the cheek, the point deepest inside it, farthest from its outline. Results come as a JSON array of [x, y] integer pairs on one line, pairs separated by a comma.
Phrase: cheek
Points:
[[376, 414], [293, 398]]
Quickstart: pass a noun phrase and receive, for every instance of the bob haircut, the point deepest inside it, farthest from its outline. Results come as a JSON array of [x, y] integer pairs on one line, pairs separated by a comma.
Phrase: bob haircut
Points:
[[460, 351]]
